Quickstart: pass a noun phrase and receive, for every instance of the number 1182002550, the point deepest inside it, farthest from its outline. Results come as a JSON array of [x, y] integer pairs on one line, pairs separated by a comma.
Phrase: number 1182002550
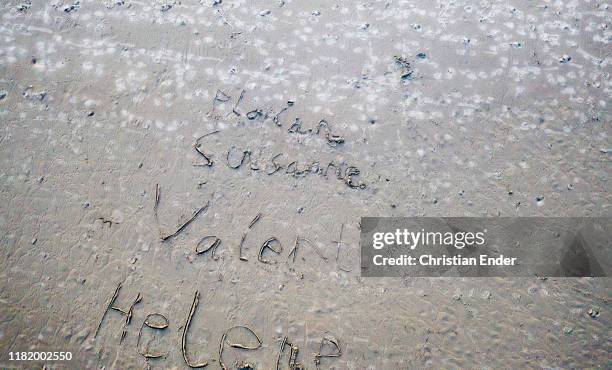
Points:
[[40, 356]]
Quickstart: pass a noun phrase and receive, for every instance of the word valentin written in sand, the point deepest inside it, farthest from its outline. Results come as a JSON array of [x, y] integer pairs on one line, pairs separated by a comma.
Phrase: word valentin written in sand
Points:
[[277, 163], [329, 346], [271, 246]]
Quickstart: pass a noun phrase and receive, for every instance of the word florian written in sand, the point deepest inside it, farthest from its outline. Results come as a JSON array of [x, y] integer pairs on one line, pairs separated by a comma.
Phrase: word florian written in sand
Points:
[[277, 163], [329, 346]]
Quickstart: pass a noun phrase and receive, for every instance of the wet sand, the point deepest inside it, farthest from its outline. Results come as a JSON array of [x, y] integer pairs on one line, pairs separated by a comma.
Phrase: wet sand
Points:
[[315, 114]]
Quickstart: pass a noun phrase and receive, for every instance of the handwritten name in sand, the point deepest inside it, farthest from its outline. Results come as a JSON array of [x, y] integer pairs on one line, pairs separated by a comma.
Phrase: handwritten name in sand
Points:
[[329, 346]]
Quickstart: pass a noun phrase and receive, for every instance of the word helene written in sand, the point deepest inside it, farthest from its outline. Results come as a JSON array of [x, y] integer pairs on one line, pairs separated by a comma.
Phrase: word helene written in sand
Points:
[[329, 346], [235, 158]]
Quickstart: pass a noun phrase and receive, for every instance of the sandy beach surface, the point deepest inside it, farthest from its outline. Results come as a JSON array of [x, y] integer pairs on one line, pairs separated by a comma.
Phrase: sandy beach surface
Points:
[[135, 134]]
